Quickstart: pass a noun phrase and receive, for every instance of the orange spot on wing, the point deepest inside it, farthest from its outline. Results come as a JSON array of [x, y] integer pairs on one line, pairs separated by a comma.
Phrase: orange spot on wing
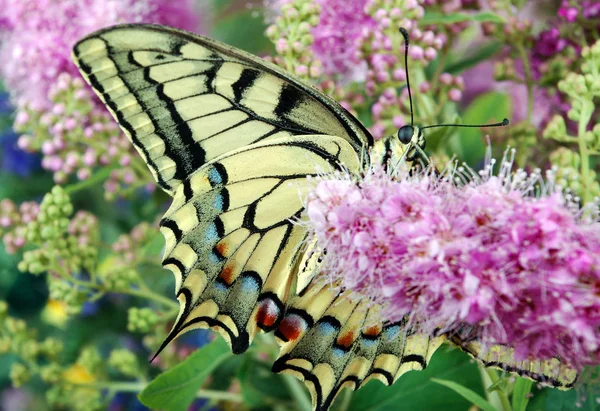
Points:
[[222, 248], [227, 274], [373, 331], [346, 340]]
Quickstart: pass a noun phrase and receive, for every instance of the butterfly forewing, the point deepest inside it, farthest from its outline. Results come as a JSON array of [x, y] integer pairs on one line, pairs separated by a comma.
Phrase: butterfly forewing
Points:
[[184, 99]]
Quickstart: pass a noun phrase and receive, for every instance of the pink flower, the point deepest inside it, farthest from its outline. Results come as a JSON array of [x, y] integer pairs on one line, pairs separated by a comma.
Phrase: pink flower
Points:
[[37, 37], [338, 34], [485, 256]]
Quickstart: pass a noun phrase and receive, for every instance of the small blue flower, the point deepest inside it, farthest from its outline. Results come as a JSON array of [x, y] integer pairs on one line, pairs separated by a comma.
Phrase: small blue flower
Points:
[[196, 339], [12, 159], [126, 402]]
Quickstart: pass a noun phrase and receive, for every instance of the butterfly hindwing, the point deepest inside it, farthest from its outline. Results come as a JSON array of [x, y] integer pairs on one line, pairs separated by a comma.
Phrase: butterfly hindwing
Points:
[[330, 342], [184, 99], [229, 236]]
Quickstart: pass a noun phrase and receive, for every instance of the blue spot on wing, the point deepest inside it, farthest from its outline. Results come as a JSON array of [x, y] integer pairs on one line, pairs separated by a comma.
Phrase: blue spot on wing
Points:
[[218, 203], [338, 352], [249, 284], [211, 233], [392, 332], [214, 177], [368, 342], [221, 287], [326, 328]]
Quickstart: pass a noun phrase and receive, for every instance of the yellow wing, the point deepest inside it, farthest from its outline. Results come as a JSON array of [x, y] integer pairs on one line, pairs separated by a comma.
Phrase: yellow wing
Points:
[[184, 99]]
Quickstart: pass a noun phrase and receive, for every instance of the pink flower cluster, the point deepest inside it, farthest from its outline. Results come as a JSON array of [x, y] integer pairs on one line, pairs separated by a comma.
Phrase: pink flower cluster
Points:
[[338, 32], [379, 45], [13, 222], [485, 254], [68, 132], [37, 36]]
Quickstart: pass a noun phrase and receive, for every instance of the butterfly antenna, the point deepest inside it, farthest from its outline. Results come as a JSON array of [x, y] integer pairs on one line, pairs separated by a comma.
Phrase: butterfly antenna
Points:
[[503, 123], [406, 43]]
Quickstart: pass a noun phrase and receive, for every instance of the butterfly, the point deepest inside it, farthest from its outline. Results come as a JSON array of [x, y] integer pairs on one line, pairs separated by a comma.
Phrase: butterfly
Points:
[[234, 140]]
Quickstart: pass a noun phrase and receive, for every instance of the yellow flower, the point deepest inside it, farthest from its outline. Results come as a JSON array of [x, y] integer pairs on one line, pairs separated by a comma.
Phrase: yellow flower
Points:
[[55, 313], [78, 374]]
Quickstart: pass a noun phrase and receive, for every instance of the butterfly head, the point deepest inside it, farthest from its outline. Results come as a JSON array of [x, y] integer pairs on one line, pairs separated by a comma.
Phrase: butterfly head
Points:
[[413, 140]]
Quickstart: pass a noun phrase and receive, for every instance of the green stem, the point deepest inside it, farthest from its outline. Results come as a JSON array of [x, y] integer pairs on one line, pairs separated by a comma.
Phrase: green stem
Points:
[[298, 393], [151, 296], [502, 396], [140, 168], [528, 81], [122, 386], [96, 178], [148, 294], [587, 109]]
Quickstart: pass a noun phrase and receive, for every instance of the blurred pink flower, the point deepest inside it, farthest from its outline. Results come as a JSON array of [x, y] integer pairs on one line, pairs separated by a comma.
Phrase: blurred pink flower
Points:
[[37, 36], [338, 33], [486, 255]]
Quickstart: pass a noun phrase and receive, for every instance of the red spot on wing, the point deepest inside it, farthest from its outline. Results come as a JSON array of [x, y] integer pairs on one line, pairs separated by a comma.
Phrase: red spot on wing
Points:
[[346, 340], [227, 274], [372, 331], [267, 313], [291, 327]]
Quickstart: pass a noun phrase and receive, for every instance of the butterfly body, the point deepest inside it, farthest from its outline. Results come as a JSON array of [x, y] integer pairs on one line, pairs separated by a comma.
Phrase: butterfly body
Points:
[[235, 141]]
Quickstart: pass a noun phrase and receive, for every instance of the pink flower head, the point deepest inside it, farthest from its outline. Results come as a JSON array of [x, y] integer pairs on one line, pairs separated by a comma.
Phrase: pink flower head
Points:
[[338, 34], [508, 257], [37, 37]]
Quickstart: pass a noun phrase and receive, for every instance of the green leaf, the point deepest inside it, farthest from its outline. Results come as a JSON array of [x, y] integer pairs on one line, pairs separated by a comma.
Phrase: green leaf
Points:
[[469, 144], [245, 30], [520, 396], [518, 3], [154, 246], [470, 395], [583, 398], [224, 375], [259, 384], [416, 391], [439, 18], [485, 52], [176, 388]]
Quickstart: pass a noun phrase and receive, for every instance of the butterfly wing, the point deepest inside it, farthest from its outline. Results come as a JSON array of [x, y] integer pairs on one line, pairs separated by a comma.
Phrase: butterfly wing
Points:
[[184, 99], [229, 236], [330, 342]]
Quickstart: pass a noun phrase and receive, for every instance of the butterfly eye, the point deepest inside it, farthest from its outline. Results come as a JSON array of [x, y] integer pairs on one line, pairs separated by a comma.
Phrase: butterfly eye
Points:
[[405, 134]]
